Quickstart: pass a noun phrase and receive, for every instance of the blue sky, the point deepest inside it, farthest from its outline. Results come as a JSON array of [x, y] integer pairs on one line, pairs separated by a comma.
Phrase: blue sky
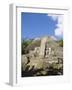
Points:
[[35, 25]]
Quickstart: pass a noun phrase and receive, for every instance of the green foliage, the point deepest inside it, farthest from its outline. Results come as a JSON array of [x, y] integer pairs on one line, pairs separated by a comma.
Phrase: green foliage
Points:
[[60, 43], [24, 45]]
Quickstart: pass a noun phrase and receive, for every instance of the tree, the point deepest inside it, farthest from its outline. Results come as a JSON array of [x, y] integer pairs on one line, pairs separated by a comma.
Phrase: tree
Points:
[[24, 45], [61, 43]]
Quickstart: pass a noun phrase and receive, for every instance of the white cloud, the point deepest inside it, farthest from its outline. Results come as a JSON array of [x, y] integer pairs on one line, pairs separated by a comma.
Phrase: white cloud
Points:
[[53, 37], [54, 17], [59, 30]]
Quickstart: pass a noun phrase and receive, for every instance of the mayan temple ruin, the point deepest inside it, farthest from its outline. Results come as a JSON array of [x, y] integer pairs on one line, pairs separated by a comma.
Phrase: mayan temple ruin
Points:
[[45, 57]]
